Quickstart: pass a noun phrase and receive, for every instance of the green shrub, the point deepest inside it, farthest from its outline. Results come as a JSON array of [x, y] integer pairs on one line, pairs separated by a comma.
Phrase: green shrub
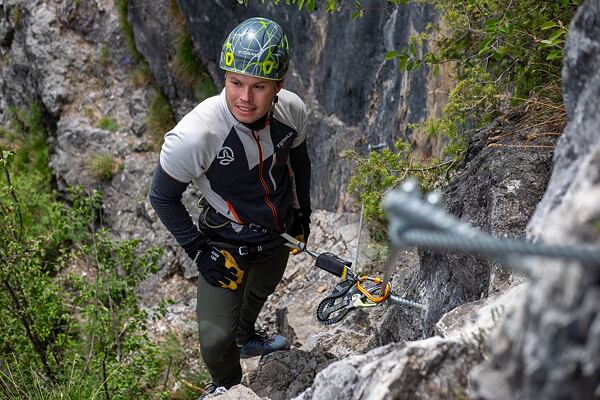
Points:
[[102, 166], [127, 30], [186, 65], [67, 334], [501, 54], [104, 59], [108, 124], [381, 171], [140, 75], [160, 118]]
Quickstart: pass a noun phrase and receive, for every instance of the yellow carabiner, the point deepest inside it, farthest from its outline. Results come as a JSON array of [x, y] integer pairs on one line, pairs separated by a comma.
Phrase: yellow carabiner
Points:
[[369, 295]]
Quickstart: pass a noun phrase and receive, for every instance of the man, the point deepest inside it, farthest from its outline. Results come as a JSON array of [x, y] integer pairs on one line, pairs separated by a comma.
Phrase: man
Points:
[[245, 149]]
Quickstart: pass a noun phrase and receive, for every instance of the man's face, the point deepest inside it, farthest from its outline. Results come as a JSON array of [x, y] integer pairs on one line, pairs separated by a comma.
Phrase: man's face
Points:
[[249, 98]]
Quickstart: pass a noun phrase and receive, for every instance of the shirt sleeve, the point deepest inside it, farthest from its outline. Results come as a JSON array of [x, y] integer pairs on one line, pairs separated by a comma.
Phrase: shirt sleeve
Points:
[[300, 113], [301, 166], [165, 196]]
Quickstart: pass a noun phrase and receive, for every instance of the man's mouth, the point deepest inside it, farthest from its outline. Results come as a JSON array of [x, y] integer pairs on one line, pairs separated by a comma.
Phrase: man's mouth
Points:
[[245, 108]]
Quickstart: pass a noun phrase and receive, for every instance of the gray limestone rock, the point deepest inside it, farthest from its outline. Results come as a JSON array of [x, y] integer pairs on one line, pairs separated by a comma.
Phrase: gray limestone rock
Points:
[[156, 39], [476, 320], [495, 191], [433, 368], [238, 392], [285, 374], [549, 347]]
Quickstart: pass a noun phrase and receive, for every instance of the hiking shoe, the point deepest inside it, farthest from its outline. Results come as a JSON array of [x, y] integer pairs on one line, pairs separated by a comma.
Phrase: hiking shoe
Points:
[[260, 344], [210, 388]]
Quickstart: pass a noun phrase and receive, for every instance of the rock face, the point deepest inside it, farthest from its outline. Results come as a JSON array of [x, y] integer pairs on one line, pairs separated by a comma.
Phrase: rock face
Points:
[[157, 39], [496, 191], [549, 348], [72, 59]]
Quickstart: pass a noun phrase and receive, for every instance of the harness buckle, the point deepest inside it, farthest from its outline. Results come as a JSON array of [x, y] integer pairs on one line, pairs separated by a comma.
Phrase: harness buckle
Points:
[[243, 250]]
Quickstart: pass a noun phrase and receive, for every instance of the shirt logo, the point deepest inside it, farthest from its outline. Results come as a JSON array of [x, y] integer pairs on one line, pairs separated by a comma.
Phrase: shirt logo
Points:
[[284, 140], [225, 156]]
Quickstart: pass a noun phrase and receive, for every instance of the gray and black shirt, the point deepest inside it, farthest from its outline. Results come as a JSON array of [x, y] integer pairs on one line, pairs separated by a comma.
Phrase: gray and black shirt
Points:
[[249, 176]]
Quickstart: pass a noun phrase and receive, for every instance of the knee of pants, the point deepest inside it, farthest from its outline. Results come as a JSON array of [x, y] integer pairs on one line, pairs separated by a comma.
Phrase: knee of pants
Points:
[[215, 340]]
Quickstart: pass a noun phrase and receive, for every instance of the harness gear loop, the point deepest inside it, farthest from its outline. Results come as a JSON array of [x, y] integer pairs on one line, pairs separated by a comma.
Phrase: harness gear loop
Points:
[[243, 250], [205, 207]]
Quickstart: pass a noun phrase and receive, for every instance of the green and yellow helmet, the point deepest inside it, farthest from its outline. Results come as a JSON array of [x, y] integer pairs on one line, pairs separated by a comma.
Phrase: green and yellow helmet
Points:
[[256, 47]]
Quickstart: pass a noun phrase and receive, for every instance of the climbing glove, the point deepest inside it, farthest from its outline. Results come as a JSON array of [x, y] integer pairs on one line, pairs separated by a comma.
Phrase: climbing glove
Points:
[[218, 267], [301, 226]]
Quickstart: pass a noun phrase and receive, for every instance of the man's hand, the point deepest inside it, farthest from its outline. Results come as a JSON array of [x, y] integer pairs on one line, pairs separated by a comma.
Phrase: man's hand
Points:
[[219, 268], [301, 226]]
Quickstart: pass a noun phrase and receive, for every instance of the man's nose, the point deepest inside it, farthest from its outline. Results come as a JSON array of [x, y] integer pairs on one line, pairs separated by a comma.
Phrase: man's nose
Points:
[[246, 94]]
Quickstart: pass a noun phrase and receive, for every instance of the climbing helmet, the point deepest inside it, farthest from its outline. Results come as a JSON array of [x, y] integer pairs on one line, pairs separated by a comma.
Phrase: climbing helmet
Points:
[[256, 47]]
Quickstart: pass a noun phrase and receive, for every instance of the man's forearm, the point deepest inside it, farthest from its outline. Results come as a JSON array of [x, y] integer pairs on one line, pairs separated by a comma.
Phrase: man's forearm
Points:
[[300, 163], [165, 197]]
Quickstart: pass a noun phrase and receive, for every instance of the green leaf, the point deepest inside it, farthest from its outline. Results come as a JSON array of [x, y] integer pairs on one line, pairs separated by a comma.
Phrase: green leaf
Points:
[[498, 55], [391, 55], [413, 49], [485, 45], [548, 25], [554, 54], [331, 5], [300, 4], [402, 64], [310, 5], [410, 66], [556, 34], [490, 24], [357, 14], [436, 70]]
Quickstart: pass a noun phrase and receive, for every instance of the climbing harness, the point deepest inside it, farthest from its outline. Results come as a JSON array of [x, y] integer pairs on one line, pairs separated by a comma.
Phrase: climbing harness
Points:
[[244, 250], [352, 292]]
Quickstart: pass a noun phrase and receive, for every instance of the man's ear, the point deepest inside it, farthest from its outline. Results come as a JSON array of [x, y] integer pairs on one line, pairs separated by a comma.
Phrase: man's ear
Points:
[[278, 86]]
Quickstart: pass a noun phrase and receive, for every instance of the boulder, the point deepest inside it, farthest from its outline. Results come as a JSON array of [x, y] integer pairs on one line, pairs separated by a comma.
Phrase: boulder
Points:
[[433, 368], [284, 374]]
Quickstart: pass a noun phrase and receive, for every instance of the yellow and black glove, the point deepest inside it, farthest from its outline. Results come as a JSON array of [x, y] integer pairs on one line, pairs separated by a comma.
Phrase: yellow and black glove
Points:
[[219, 268], [300, 226]]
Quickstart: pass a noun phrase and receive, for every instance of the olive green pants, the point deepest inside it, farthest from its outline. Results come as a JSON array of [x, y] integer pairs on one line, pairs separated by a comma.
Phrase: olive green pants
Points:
[[226, 317]]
